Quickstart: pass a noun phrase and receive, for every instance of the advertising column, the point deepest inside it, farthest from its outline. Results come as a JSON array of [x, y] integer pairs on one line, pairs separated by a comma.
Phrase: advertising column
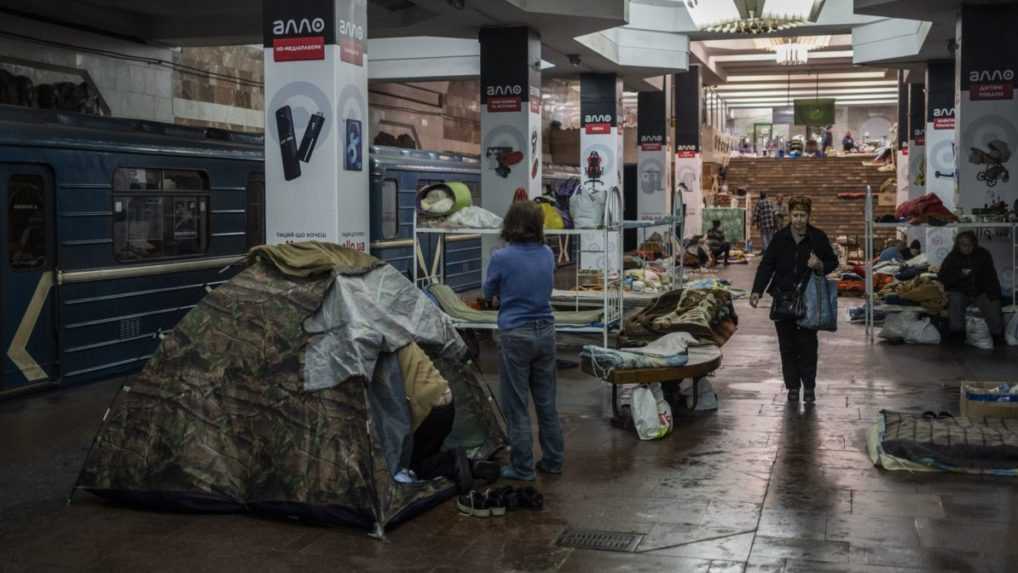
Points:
[[510, 121], [916, 151], [653, 202], [316, 117], [601, 156], [988, 120], [904, 185], [941, 166], [688, 155]]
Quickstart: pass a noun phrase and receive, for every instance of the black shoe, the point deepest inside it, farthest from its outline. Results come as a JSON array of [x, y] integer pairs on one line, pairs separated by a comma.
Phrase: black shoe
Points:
[[793, 395], [485, 470], [546, 469], [809, 395]]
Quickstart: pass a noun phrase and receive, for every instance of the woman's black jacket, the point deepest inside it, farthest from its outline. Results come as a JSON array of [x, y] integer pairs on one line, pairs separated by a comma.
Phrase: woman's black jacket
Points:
[[784, 261]]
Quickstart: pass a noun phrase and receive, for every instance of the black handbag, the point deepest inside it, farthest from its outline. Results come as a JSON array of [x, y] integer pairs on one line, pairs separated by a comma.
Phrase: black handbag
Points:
[[788, 305]]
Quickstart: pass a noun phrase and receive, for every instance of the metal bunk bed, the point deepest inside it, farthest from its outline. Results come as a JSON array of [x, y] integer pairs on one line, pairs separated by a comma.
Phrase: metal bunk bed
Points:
[[611, 295]]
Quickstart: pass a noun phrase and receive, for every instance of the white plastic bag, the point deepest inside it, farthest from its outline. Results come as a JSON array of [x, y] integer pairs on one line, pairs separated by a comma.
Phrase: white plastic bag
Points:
[[1011, 330], [652, 416], [587, 207], [705, 400], [921, 331], [474, 218], [977, 333], [896, 325]]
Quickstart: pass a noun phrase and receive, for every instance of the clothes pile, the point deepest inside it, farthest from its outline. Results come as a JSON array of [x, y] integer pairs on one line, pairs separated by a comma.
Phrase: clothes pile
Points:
[[707, 314], [928, 209], [921, 291]]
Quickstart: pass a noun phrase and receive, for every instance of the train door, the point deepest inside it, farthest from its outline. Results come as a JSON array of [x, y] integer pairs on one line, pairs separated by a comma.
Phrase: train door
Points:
[[29, 343]]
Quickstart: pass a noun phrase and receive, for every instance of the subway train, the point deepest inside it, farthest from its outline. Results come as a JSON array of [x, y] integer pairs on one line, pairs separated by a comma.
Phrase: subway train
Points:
[[116, 228]]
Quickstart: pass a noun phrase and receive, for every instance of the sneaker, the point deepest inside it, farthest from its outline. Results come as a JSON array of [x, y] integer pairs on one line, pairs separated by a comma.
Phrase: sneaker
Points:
[[547, 469], [809, 395], [473, 503], [508, 472], [495, 501], [793, 395]]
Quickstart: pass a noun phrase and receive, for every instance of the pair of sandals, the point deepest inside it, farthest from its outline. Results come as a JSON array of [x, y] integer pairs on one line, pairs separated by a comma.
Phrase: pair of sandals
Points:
[[931, 415], [495, 502]]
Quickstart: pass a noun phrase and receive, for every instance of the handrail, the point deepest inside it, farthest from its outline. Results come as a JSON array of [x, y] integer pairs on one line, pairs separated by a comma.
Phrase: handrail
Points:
[[116, 273]]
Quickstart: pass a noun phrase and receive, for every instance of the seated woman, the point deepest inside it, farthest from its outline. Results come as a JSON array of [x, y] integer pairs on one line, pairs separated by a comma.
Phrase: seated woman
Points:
[[716, 243], [969, 277]]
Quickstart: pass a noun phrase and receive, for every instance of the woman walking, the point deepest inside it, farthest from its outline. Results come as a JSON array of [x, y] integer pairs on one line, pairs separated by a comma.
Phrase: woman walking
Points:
[[794, 252], [521, 275]]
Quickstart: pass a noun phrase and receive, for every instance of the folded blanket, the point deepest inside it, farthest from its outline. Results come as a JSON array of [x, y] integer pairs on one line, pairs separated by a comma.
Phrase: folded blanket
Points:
[[453, 305], [606, 359]]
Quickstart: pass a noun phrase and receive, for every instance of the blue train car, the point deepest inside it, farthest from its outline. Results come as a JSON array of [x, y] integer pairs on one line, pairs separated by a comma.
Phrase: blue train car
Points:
[[114, 229], [396, 176]]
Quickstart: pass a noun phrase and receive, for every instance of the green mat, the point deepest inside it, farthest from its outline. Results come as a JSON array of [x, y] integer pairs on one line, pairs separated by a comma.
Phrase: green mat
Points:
[[454, 306]]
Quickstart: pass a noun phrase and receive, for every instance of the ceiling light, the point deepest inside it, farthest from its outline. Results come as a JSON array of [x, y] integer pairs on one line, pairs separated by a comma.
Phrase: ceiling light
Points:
[[751, 16]]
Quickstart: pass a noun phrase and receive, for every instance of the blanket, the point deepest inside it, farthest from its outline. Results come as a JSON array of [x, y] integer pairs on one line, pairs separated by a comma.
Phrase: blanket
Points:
[[454, 306]]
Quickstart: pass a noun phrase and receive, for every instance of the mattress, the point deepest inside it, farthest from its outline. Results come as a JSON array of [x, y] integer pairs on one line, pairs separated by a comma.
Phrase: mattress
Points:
[[453, 305]]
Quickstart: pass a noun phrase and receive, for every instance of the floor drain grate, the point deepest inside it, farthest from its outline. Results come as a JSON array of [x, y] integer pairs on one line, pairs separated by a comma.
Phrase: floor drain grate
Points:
[[600, 540]]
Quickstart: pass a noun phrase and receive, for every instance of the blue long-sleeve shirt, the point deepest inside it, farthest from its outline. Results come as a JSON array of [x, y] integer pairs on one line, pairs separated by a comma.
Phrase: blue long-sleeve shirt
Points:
[[521, 276]]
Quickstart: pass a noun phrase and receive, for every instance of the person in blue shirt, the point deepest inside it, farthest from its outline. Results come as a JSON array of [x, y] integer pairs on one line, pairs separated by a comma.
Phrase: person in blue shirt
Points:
[[895, 252], [522, 275]]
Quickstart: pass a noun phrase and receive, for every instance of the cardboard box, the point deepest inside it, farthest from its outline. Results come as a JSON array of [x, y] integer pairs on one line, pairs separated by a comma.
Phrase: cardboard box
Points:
[[973, 407], [565, 146]]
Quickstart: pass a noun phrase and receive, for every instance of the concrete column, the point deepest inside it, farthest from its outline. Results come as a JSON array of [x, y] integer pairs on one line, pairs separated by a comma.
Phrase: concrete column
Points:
[[316, 115], [917, 139], [601, 152], [940, 157], [510, 120], [688, 152], [653, 162], [987, 130], [903, 186]]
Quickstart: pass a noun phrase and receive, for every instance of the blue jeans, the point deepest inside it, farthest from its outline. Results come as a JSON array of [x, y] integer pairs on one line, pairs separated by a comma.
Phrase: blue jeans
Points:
[[528, 366], [766, 237]]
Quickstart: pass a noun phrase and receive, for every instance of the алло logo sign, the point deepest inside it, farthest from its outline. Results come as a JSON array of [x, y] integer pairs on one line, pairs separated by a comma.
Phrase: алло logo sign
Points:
[[505, 98], [298, 39], [651, 142], [597, 123], [943, 118], [991, 84]]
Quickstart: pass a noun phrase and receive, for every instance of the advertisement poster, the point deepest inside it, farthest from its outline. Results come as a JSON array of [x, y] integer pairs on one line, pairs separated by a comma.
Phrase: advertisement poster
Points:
[[510, 122], [941, 167], [316, 113], [688, 155], [988, 121], [653, 202], [601, 156]]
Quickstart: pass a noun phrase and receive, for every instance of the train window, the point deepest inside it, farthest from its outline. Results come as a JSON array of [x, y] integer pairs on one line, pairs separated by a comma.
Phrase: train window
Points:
[[26, 213], [390, 209], [475, 192], [255, 209], [159, 213]]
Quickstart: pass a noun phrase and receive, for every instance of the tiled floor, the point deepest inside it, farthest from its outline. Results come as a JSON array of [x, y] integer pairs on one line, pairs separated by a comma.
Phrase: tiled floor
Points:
[[755, 487]]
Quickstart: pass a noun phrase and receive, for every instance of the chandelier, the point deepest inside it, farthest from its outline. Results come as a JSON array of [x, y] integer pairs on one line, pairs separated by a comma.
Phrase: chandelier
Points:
[[793, 51], [751, 16], [792, 54]]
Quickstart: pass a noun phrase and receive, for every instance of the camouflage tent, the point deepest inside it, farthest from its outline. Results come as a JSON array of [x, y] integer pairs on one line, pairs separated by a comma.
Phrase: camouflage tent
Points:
[[281, 394]]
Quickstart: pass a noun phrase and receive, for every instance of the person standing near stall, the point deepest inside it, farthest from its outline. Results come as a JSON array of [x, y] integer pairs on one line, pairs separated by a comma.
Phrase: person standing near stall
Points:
[[795, 251], [522, 275], [765, 218]]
